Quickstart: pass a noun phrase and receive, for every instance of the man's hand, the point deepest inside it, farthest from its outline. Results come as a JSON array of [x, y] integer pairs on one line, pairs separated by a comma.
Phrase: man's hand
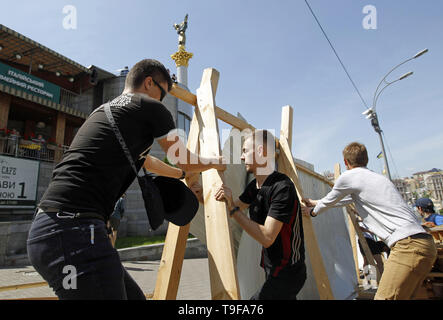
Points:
[[197, 189], [309, 202], [224, 193], [306, 211], [429, 224]]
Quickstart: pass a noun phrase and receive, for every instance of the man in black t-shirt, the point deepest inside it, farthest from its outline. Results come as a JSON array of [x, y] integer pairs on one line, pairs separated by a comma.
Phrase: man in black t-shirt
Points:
[[275, 219], [68, 242]]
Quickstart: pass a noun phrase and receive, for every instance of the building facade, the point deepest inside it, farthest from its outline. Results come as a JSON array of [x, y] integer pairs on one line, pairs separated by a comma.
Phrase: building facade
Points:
[[405, 190], [430, 183], [44, 99], [434, 184]]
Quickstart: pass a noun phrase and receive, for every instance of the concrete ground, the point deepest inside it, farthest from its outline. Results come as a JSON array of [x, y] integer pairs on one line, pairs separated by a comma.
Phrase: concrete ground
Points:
[[194, 282]]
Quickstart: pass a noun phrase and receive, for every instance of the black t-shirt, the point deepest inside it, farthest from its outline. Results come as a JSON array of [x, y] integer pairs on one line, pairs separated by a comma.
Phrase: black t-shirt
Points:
[[95, 172], [277, 198]]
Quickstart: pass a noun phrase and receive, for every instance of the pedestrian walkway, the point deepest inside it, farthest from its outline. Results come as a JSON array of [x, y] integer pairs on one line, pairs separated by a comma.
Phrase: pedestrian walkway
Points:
[[194, 282]]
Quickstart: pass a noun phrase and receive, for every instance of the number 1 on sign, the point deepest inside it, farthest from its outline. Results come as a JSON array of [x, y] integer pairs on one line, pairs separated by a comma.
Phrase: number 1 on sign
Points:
[[22, 193]]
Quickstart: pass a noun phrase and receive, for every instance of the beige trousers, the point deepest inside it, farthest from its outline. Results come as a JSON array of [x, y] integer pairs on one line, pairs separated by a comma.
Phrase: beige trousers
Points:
[[410, 261]]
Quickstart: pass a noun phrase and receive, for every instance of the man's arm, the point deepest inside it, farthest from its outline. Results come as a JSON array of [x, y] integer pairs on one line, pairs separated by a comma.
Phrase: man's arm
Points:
[[339, 196], [264, 234], [179, 155], [438, 220], [154, 165]]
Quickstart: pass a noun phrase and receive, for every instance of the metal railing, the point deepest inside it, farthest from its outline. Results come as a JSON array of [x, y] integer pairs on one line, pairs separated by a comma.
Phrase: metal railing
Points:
[[20, 148], [68, 98]]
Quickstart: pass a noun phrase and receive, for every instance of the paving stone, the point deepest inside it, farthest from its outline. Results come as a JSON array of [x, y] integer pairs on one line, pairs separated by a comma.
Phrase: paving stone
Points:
[[194, 282]]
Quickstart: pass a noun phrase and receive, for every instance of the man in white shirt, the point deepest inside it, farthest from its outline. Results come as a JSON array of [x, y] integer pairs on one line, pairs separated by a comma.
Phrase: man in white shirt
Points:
[[384, 212]]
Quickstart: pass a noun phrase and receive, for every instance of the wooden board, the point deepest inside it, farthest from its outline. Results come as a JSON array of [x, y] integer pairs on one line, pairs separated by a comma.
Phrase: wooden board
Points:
[[23, 286], [222, 265], [287, 166], [169, 272], [221, 114]]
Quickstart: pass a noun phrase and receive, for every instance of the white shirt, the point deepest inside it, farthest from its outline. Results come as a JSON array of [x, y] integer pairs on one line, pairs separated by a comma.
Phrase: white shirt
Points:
[[377, 201]]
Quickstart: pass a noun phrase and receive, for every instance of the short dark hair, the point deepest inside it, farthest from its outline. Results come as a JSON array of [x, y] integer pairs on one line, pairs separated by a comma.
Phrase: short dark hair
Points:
[[261, 136], [147, 68], [356, 154]]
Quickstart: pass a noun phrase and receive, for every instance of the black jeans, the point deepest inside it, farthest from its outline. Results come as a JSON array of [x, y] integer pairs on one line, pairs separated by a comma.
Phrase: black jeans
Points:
[[285, 286], [76, 258]]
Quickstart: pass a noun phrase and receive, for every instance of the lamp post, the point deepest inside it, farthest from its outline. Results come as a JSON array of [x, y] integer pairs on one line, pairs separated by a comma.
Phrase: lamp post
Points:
[[371, 113]]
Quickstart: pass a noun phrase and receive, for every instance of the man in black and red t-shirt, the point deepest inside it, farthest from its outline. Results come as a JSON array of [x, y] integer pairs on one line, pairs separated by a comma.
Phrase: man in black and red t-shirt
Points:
[[275, 219]]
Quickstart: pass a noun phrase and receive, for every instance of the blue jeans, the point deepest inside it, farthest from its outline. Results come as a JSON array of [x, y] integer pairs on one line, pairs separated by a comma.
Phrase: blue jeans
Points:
[[76, 258]]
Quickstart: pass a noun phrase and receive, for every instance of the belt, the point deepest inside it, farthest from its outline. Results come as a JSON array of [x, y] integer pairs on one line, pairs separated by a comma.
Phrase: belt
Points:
[[61, 214], [420, 236]]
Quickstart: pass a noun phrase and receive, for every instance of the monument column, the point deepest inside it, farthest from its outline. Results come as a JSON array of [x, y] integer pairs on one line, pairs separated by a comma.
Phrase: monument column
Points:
[[182, 57]]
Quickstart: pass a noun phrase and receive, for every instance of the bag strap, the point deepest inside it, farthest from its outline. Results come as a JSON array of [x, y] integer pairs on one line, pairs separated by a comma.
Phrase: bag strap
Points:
[[119, 136]]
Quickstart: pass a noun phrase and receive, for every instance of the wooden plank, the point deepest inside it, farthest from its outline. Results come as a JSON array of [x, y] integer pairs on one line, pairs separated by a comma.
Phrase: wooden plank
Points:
[[5, 106], [435, 275], [222, 265], [169, 272], [221, 114], [41, 298], [60, 135], [286, 165], [364, 243], [171, 263], [287, 116], [23, 286]]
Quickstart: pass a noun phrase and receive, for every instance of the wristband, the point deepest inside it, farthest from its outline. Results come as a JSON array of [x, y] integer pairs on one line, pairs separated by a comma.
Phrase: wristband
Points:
[[183, 175], [312, 211], [231, 213]]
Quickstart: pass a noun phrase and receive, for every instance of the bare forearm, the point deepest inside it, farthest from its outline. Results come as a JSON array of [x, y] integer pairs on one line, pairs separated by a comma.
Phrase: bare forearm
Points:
[[157, 166], [255, 230], [194, 163], [186, 160]]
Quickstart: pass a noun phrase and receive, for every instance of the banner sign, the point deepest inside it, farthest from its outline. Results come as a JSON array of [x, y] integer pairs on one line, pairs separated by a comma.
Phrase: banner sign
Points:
[[23, 81], [18, 183]]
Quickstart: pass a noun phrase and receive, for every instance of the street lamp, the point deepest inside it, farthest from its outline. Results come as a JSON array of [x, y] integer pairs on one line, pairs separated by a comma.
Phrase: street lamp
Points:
[[371, 113]]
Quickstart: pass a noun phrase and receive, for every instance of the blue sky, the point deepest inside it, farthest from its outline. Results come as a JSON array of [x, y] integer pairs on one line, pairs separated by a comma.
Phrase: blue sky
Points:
[[271, 54]]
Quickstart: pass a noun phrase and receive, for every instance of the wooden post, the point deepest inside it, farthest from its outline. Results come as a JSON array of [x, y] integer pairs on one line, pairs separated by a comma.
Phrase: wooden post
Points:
[[287, 116], [222, 266], [354, 228], [24, 286], [286, 165], [5, 106], [169, 271], [221, 114], [60, 135]]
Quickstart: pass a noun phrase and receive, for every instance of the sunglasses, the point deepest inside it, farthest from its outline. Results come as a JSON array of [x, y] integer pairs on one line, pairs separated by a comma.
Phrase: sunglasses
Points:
[[163, 92]]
